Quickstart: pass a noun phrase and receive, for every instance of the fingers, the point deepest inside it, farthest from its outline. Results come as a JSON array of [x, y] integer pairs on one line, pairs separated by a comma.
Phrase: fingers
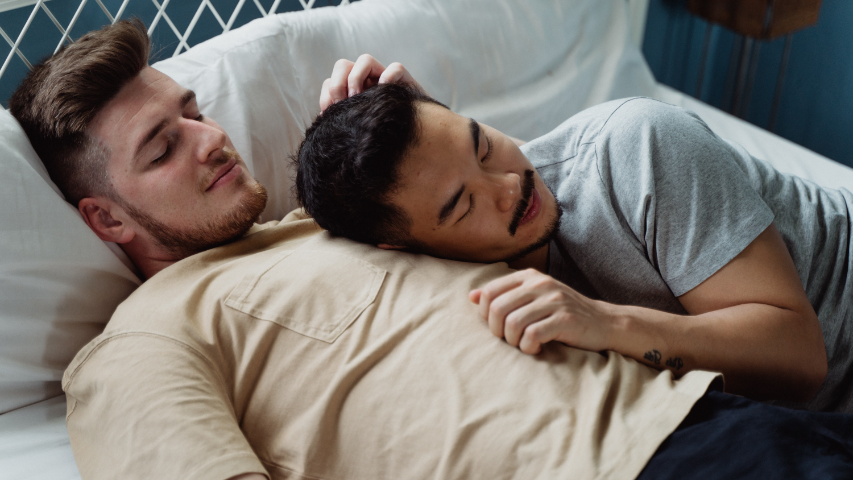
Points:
[[325, 95], [396, 72], [518, 320], [335, 87], [528, 309], [474, 295], [493, 290], [537, 335], [351, 78], [499, 286], [505, 304], [364, 74]]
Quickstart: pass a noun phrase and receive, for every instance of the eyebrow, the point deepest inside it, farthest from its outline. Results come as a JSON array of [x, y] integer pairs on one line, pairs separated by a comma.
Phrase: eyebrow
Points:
[[186, 98]]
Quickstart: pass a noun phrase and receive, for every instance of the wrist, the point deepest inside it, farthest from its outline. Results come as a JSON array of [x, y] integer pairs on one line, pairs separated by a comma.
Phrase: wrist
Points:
[[616, 322]]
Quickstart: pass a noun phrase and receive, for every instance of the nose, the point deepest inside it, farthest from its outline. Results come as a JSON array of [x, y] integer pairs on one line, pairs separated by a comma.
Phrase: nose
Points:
[[206, 141], [506, 190]]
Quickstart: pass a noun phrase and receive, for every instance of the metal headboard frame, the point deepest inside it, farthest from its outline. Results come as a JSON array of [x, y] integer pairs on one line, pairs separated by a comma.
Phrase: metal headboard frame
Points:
[[638, 9], [40, 5]]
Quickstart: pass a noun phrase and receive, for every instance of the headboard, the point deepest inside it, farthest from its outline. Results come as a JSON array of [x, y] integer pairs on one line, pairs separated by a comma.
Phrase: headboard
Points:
[[33, 29], [206, 21]]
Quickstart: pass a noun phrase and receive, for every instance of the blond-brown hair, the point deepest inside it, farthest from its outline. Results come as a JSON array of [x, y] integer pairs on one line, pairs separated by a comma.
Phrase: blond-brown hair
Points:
[[58, 100]]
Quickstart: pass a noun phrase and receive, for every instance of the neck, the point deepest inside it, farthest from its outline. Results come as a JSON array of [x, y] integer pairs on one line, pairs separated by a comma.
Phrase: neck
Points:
[[537, 259], [149, 261]]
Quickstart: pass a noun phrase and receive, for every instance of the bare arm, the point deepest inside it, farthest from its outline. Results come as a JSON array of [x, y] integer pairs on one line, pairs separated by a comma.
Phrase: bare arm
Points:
[[751, 321]]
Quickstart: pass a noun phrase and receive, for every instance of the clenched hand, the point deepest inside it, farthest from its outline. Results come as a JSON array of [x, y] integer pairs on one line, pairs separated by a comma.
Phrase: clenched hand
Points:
[[529, 308]]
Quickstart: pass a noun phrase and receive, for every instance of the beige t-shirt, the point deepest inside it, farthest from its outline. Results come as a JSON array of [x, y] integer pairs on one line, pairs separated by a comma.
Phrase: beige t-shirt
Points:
[[303, 356]]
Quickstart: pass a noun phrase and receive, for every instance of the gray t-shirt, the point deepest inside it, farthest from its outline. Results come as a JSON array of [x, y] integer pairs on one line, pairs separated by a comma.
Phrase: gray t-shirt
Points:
[[654, 203]]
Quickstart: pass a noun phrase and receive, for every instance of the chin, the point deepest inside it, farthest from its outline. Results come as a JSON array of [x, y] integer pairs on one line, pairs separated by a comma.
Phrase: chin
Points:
[[552, 226]]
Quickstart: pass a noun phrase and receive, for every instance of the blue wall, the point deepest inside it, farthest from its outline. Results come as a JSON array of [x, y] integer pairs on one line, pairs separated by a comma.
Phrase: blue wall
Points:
[[42, 37], [816, 108]]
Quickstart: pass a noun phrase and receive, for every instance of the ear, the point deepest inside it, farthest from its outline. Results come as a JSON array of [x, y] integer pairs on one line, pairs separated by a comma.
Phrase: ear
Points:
[[98, 212], [385, 246]]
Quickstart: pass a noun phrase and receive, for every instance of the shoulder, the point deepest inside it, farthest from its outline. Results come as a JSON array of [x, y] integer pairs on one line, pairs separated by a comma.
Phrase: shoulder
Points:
[[618, 122], [652, 121]]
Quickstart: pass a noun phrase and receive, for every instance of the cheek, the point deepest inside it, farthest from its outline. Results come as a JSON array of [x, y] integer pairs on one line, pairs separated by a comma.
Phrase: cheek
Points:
[[169, 191], [482, 233]]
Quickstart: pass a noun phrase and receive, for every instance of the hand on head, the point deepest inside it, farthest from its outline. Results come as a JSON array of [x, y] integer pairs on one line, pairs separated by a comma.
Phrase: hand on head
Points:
[[351, 78]]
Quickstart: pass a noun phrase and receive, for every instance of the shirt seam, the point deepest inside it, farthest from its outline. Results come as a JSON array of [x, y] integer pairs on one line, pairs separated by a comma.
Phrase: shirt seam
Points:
[[142, 334], [721, 256], [627, 101]]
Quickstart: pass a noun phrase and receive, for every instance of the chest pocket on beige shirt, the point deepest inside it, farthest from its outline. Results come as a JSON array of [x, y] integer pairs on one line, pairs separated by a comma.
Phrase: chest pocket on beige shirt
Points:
[[314, 293]]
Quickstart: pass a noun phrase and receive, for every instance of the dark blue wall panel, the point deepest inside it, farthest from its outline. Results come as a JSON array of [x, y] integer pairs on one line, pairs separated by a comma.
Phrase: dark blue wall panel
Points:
[[816, 108]]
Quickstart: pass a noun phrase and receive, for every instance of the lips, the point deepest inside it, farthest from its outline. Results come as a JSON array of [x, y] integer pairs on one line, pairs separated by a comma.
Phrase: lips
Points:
[[533, 209], [229, 170]]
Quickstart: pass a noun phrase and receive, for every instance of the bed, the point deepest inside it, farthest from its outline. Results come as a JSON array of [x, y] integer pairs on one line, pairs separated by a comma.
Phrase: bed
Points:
[[522, 66]]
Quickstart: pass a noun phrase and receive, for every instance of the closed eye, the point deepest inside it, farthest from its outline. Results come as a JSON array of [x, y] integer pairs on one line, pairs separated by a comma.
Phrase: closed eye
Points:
[[172, 139], [163, 156], [470, 209], [488, 148]]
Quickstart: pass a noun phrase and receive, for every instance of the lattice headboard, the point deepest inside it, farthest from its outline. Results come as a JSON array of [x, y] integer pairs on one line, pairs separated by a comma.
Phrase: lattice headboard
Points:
[[34, 29]]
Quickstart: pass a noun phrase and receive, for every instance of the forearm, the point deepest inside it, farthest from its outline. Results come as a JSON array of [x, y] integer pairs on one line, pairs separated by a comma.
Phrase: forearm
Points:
[[763, 351]]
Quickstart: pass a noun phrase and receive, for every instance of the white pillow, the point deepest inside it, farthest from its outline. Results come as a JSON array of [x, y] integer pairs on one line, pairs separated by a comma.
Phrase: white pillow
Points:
[[522, 66], [59, 283]]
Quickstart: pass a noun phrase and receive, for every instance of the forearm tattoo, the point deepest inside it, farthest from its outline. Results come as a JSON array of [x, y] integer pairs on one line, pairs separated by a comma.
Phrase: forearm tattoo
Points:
[[675, 363], [655, 356]]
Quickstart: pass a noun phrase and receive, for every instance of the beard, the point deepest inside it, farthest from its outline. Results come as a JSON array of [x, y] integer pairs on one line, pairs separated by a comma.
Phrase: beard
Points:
[[225, 228], [543, 240]]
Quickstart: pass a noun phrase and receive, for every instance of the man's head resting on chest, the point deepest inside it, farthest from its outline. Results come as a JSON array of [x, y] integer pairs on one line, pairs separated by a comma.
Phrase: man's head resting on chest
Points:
[[394, 168], [128, 146]]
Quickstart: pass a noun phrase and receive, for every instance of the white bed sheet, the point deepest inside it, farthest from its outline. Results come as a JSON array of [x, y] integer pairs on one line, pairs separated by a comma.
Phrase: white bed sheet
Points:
[[34, 442]]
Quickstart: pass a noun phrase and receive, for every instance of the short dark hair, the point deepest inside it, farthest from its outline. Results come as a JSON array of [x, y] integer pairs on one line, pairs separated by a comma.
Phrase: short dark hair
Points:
[[348, 164], [61, 96]]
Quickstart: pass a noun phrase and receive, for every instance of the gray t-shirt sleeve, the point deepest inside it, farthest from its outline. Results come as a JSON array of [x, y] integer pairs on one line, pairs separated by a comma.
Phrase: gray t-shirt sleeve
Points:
[[679, 190]]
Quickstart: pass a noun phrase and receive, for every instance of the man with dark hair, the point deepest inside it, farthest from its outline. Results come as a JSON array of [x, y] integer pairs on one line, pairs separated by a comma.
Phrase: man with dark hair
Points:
[[348, 170], [356, 201], [660, 242]]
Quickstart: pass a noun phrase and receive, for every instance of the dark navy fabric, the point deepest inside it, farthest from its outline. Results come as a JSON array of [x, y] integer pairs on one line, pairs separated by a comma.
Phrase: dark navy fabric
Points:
[[729, 437]]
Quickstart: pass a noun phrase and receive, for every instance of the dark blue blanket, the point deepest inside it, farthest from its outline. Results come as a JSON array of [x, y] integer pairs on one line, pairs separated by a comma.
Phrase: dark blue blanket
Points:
[[729, 437]]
